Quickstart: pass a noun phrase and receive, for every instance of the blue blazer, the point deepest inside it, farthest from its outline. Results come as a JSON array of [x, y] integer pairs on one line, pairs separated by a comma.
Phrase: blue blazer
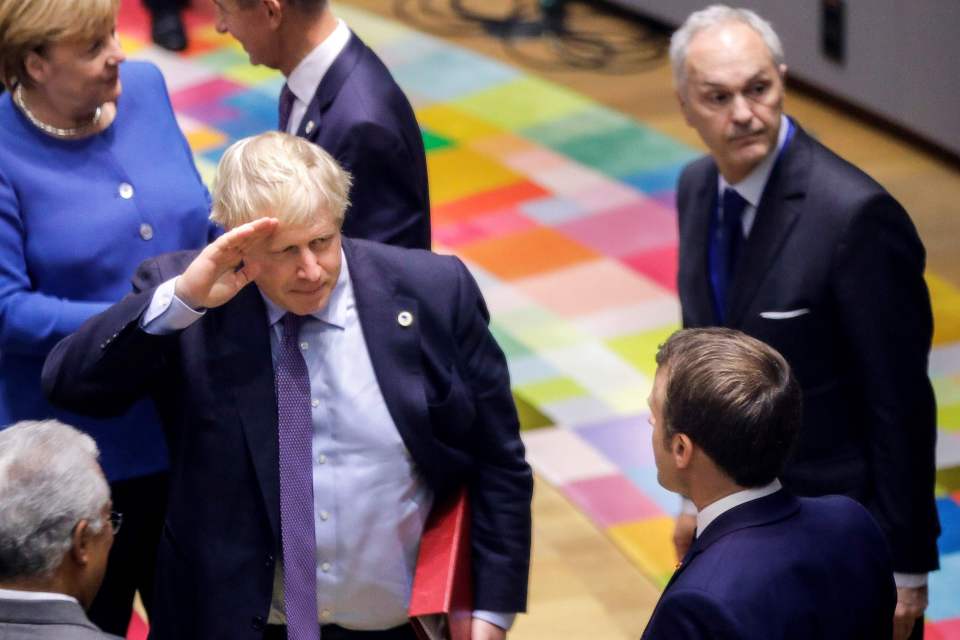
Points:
[[832, 246], [782, 568], [361, 117], [444, 380]]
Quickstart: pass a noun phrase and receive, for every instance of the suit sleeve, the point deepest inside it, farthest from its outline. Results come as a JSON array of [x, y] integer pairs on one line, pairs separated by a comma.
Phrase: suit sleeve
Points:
[[387, 201], [31, 322], [110, 362], [690, 615], [887, 322], [502, 484]]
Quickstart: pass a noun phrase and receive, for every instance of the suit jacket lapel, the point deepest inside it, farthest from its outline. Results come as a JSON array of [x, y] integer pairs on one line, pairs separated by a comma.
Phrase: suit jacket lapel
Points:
[[777, 213], [394, 349], [329, 87], [244, 335], [698, 239]]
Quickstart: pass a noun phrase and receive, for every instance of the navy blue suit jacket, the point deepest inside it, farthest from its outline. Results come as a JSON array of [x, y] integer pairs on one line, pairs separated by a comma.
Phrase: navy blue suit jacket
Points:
[[782, 568], [444, 380], [840, 259], [361, 117]]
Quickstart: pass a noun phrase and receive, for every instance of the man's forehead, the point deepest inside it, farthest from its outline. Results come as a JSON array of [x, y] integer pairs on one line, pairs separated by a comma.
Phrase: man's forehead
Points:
[[717, 53]]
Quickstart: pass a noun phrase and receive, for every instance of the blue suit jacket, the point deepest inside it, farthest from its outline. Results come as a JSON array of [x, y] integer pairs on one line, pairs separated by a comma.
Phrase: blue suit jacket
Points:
[[362, 118], [444, 380], [782, 568], [831, 245]]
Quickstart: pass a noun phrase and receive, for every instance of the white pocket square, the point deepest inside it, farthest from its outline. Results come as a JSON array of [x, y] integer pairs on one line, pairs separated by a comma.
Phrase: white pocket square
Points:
[[784, 315]]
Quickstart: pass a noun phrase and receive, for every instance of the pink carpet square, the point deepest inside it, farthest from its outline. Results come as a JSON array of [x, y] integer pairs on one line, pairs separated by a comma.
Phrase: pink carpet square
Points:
[[475, 229], [204, 93], [604, 194], [626, 229], [611, 500], [658, 264], [942, 630], [589, 287], [535, 161]]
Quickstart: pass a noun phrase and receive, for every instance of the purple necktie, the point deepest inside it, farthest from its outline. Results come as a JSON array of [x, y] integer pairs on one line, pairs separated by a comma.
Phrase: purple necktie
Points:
[[297, 533], [286, 106]]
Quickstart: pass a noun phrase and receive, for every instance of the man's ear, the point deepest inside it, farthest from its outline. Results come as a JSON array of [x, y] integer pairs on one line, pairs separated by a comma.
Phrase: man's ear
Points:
[[681, 447], [80, 543], [684, 106], [274, 11]]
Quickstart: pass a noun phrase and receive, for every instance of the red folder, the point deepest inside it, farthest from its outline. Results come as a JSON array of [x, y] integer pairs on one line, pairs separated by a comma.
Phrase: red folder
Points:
[[441, 603]]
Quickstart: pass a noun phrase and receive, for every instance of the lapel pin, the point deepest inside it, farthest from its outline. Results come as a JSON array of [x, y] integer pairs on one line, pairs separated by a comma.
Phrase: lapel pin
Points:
[[405, 318], [310, 127]]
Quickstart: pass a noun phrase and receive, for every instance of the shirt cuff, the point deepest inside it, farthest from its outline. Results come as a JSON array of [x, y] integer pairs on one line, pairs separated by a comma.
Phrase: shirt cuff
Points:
[[168, 313], [502, 620], [910, 580], [687, 508]]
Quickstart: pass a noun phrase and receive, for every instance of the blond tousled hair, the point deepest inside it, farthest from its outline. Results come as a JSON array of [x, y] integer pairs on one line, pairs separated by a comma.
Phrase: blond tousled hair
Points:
[[279, 175]]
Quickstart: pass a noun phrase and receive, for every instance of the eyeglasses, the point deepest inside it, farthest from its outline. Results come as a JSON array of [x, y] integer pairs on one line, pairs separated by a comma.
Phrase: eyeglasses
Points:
[[116, 519]]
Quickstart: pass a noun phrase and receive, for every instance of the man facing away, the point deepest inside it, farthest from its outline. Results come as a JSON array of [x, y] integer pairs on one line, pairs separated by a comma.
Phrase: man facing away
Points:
[[787, 242], [764, 565], [56, 530], [315, 414], [340, 96]]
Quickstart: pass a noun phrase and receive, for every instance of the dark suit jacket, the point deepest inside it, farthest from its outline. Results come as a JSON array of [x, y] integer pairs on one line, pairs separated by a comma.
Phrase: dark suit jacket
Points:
[[831, 245], [444, 380], [362, 118], [782, 568], [47, 620]]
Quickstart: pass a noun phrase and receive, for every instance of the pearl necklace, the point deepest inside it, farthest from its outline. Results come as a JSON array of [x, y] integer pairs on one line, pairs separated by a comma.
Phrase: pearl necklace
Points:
[[49, 128]]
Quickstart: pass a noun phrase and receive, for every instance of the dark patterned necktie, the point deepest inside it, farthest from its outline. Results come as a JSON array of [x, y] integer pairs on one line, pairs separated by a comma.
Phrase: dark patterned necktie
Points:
[[297, 532], [725, 249], [286, 106]]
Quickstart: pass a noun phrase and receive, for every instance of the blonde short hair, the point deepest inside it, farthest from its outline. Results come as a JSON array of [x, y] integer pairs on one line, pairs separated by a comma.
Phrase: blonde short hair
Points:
[[31, 25], [279, 175]]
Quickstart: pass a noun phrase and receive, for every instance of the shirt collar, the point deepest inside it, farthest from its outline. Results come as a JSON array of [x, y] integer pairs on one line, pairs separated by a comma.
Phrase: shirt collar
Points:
[[306, 76], [17, 594], [714, 510], [334, 313], [751, 188]]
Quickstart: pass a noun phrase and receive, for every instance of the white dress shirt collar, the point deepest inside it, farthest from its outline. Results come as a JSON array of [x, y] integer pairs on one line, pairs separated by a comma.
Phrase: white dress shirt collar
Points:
[[751, 188], [307, 75], [17, 594], [335, 311], [714, 510]]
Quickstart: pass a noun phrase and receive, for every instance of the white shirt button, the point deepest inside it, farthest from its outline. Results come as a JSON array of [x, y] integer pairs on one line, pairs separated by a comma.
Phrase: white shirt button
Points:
[[325, 614], [324, 516], [304, 346], [125, 190], [325, 567], [146, 231], [321, 459], [314, 403]]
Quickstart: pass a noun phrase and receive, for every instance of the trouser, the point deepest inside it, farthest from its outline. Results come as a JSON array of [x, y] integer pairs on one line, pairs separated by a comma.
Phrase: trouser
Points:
[[333, 632]]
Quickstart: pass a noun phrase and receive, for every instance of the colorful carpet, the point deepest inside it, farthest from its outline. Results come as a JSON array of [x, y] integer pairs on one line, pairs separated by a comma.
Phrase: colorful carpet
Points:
[[564, 211]]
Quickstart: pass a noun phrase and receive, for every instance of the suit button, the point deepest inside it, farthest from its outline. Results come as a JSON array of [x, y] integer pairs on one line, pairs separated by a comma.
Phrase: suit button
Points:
[[258, 623], [269, 561]]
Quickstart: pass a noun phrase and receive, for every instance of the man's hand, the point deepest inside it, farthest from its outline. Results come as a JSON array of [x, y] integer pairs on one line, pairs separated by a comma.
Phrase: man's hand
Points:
[[483, 630], [219, 272], [911, 603], [683, 532]]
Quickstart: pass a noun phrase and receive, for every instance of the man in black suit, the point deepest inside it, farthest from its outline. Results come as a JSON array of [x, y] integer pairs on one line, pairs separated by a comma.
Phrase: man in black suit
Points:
[[315, 417], [784, 240], [765, 565], [340, 96]]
